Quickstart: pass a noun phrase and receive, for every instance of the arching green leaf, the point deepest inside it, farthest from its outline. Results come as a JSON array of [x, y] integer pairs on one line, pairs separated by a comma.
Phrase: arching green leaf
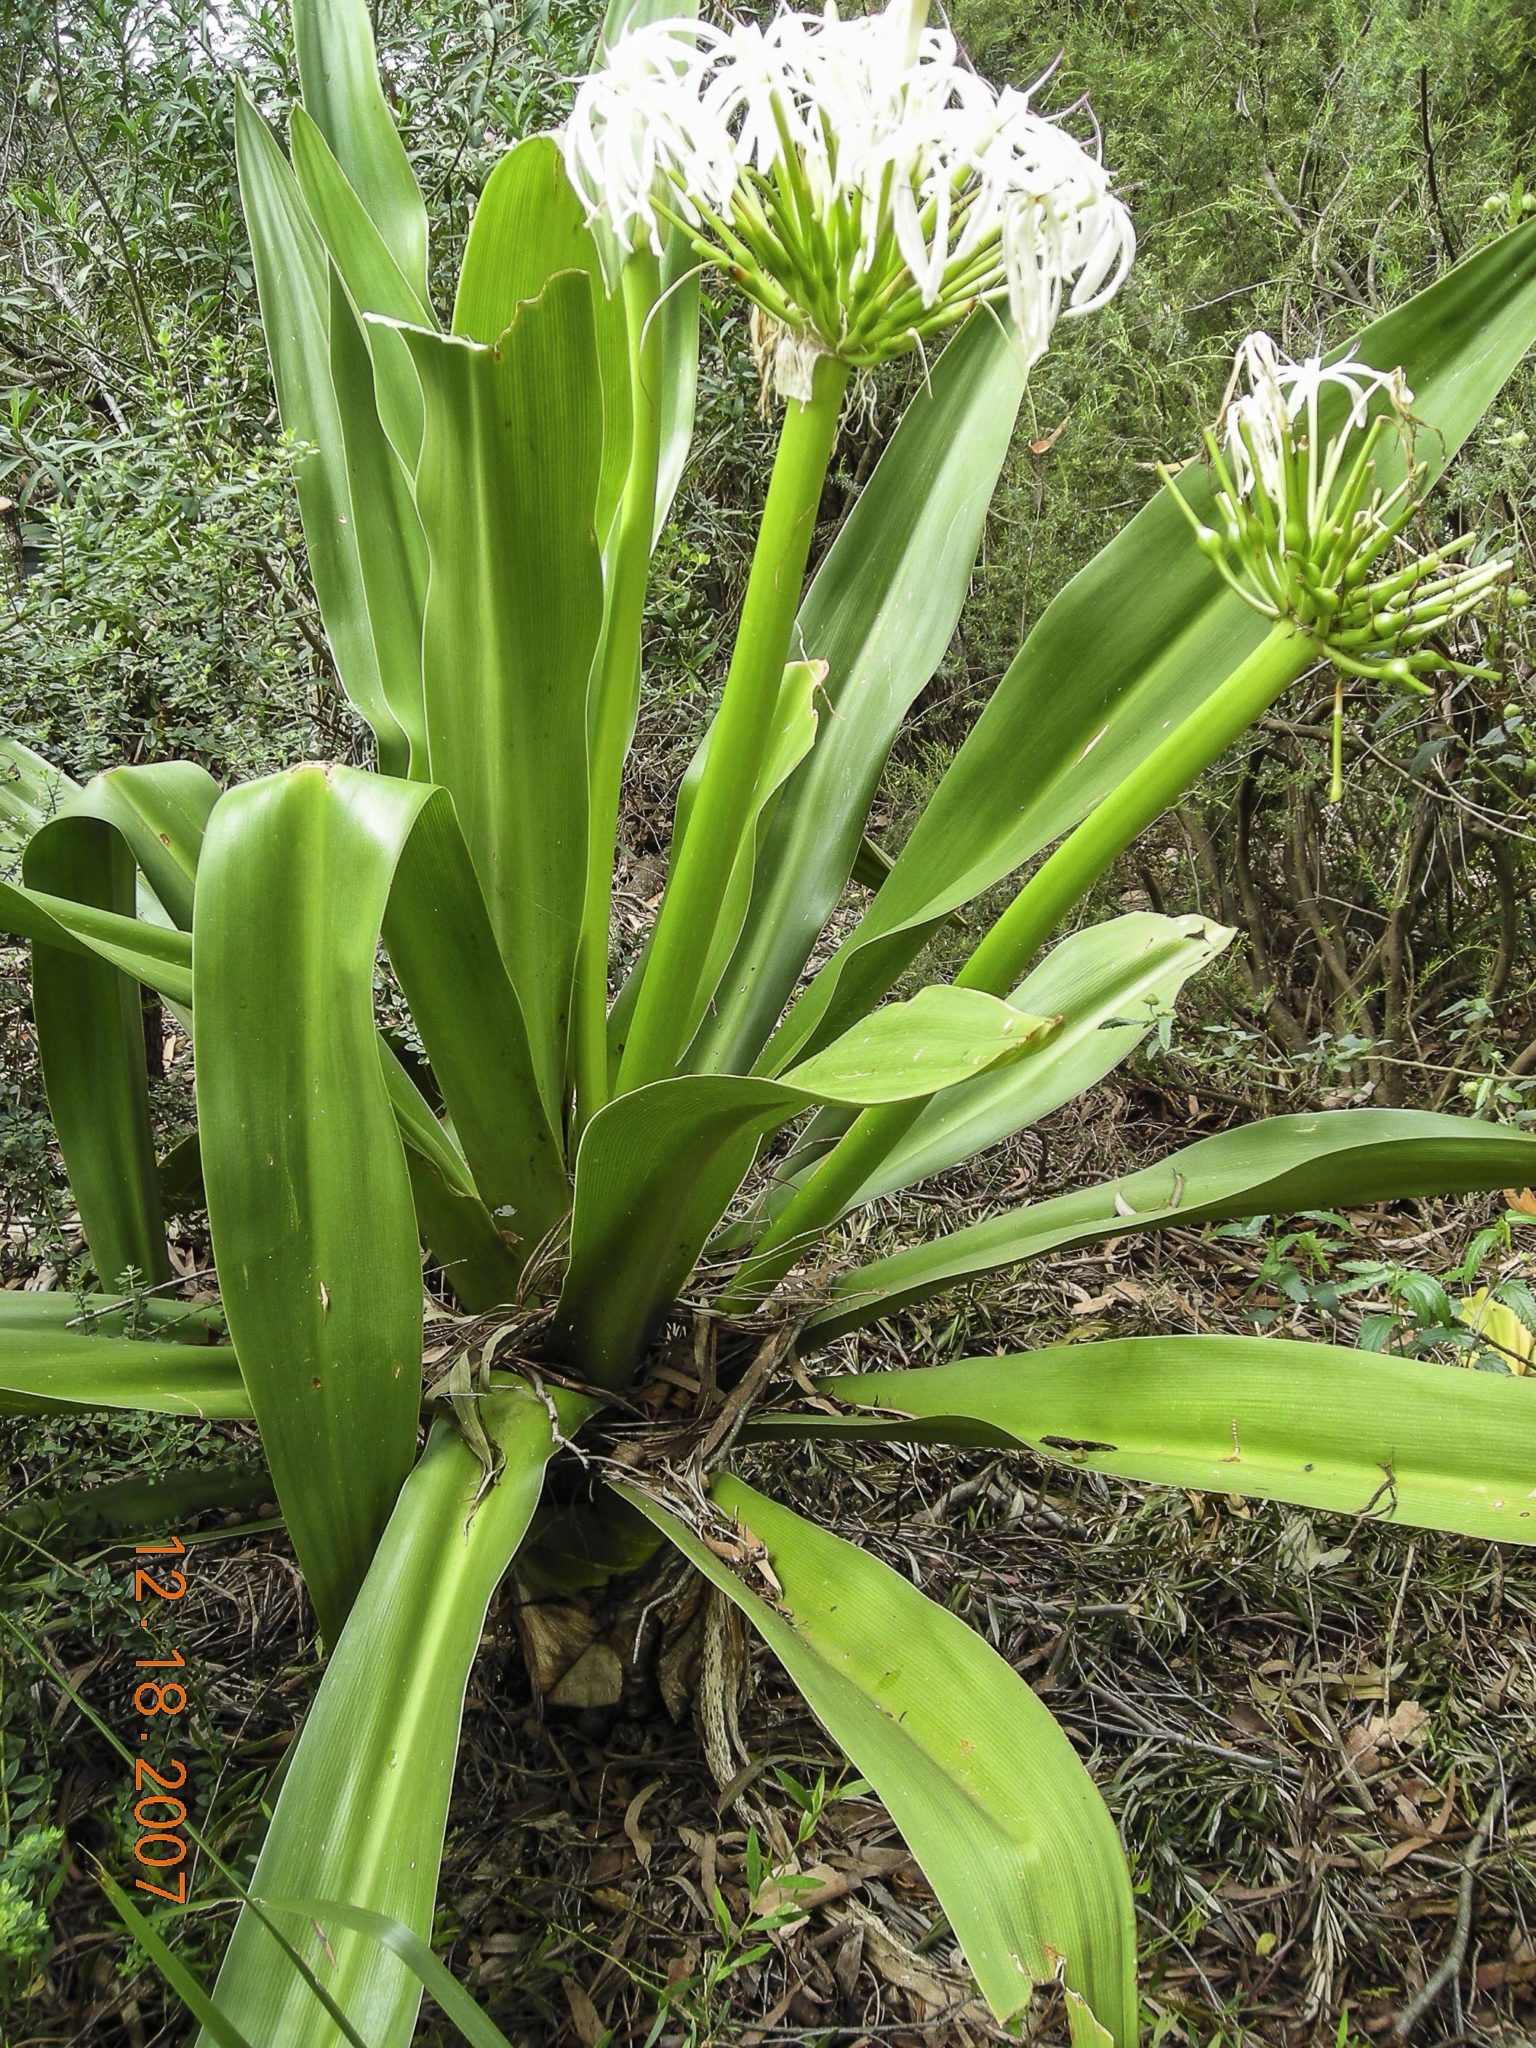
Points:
[[1275, 1168], [508, 489], [314, 1228], [987, 1790], [364, 1801], [339, 77], [1402, 1439]]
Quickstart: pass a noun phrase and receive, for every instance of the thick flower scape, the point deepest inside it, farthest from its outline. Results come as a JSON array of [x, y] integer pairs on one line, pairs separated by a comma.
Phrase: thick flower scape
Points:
[[1308, 523], [864, 188]]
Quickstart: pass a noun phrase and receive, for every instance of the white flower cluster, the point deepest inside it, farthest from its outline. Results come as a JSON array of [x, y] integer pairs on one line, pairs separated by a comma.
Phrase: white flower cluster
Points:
[[864, 186], [1276, 419]]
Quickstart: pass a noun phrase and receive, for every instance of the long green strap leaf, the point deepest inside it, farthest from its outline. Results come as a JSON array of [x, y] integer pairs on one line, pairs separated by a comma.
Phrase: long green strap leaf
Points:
[[160, 956], [1135, 644], [439, 937], [1405, 1439], [339, 76], [796, 721], [364, 1802], [435, 1978], [508, 492], [31, 788], [391, 547], [373, 281], [44, 1372], [381, 679], [658, 1166], [109, 1315], [468, 1243], [1275, 1168], [90, 1037], [309, 1197], [1110, 984], [528, 226], [321, 1281], [162, 813], [159, 813], [985, 1787], [146, 1504], [674, 314]]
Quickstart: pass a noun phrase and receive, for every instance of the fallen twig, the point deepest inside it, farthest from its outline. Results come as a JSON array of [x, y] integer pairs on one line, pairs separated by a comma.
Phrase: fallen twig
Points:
[[1461, 1934]]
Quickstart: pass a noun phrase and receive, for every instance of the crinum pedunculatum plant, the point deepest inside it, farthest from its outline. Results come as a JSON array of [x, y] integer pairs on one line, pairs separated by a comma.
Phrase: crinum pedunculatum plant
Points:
[[591, 1163]]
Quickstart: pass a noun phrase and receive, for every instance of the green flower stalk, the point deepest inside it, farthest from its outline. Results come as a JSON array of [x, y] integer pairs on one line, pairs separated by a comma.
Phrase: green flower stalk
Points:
[[1311, 537]]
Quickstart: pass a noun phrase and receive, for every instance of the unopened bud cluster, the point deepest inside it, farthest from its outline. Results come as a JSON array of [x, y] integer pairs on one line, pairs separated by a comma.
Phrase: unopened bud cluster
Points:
[[1308, 533]]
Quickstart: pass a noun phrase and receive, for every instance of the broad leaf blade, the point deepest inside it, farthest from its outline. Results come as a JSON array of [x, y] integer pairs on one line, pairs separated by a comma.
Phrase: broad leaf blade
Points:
[[794, 733], [1110, 984], [145, 1505], [364, 1801], [373, 280], [293, 284], [1335, 1159], [160, 956], [299, 875], [386, 528], [162, 812], [109, 1315], [31, 787], [89, 1019], [1403, 1439], [676, 313], [55, 1371], [508, 489], [434, 1977], [528, 226], [987, 1790], [322, 1289], [471, 1023]]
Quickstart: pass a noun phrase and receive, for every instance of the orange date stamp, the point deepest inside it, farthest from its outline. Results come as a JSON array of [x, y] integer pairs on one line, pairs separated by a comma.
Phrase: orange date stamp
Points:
[[157, 1810]]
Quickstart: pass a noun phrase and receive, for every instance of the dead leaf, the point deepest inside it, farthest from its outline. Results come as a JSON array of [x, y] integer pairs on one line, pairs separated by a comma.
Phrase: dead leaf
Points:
[[1401, 1851], [632, 1823], [1407, 1725], [596, 1679], [845, 1965], [584, 2014]]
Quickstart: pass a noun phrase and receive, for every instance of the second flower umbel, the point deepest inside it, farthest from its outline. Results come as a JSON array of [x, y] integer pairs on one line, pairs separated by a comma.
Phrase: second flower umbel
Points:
[[1311, 530]]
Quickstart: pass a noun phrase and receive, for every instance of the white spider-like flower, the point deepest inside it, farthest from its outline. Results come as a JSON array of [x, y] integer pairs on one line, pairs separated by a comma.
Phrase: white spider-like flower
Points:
[[1309, 532], [1272, 432], [862, 185]]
